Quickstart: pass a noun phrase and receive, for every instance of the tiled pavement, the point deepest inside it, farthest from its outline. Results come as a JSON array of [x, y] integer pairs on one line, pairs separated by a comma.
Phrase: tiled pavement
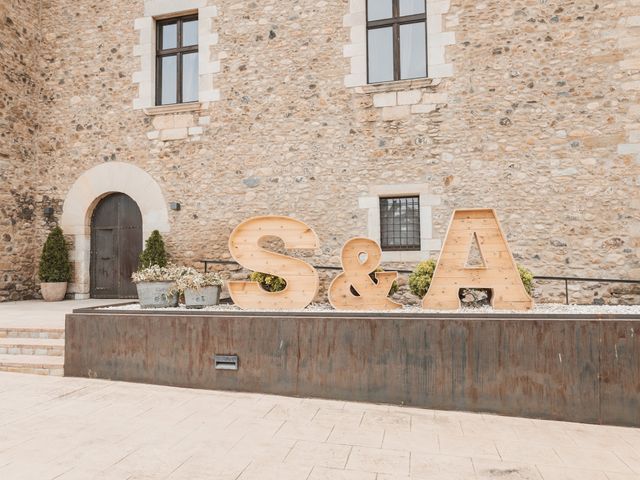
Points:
[[38, 314], [67, 428]]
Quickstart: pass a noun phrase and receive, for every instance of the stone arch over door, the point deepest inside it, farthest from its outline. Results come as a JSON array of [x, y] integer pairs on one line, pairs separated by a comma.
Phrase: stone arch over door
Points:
[[87, 191]]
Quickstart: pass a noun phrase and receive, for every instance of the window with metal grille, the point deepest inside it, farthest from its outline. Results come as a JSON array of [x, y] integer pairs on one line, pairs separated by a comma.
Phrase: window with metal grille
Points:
[[177, 60], [396, 40], [400, 223]]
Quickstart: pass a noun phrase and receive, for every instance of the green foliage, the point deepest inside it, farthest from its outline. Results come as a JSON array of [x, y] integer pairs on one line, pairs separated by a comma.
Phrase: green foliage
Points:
[[420, 279], [527, 278], [54, 262], [154, 252], [271, 283]]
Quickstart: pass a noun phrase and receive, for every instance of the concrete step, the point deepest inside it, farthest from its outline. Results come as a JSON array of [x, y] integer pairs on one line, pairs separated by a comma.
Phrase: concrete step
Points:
[[36, 364], [32, 346], [31, 332]]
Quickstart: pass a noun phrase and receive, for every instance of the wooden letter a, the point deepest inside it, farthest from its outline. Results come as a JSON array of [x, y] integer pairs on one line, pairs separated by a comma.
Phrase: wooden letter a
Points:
[[498, 271]]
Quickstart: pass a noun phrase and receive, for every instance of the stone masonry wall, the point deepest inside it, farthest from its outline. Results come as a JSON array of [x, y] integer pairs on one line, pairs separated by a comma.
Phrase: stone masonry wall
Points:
[[20, 100], [536, 122]]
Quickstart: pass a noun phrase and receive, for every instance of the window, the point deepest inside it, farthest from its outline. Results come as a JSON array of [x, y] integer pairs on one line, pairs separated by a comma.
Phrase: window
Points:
[[177, 60], [396, 40], [400, 223]]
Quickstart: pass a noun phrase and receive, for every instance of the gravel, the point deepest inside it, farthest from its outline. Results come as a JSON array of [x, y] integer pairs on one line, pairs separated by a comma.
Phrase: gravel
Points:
[[541, 309]]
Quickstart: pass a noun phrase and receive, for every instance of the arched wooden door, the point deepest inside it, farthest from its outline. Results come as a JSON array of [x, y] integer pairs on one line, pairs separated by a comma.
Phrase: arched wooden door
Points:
[[116, 243]]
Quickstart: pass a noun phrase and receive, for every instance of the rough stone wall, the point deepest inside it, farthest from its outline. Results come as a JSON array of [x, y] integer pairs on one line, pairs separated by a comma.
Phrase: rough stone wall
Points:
[[540, 94], [536, 111], [20, 100]]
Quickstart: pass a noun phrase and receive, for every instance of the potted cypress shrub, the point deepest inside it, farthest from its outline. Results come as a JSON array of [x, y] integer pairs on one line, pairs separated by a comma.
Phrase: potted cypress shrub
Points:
[[155, 281], [55, 268], [200, 289], [154, 252]]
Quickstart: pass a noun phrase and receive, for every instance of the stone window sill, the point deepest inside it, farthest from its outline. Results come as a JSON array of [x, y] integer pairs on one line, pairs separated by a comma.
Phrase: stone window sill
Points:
[[176, 108], [404, 256], [400, 85]]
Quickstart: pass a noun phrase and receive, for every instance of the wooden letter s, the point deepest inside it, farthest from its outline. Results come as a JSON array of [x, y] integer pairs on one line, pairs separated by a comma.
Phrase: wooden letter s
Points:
[[302, 279]]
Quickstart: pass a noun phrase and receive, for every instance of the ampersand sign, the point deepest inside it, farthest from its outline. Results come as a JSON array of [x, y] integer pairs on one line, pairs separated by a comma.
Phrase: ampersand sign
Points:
[[371, 295]]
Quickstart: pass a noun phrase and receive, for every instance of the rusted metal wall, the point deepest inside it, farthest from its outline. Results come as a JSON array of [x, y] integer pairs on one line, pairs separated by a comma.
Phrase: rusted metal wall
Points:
[[584, 370]]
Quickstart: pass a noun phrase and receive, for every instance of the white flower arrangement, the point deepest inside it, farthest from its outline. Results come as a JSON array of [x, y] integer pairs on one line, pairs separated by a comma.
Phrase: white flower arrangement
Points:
[[197, 281], [155, 273]]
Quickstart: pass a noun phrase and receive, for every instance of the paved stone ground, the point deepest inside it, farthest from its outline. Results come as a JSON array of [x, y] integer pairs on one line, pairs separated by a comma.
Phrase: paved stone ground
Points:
[[69, 428], [40, 314]]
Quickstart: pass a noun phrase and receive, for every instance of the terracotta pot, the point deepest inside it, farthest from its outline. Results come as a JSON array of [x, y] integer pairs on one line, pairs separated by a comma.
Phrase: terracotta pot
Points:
[[53, 291]]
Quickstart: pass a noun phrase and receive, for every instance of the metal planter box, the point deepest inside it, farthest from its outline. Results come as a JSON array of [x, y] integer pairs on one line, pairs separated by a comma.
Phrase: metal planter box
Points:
[[204, 297], [156, 295]]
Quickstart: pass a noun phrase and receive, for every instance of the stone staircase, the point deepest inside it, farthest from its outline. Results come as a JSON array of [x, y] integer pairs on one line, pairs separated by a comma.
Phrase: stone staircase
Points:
[[32, 350]]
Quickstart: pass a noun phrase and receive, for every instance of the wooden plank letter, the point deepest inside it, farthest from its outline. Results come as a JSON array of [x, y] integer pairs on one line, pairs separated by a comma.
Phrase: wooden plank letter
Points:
[[498, 270], [371, 295], [302, 279]]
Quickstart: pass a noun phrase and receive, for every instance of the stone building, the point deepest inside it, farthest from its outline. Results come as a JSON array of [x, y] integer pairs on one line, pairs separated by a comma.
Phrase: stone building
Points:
[[327, 111]]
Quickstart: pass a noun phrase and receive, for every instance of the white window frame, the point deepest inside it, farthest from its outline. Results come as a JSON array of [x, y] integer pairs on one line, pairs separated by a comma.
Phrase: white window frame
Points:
[[428, 244], [437, 40], [146, 49]]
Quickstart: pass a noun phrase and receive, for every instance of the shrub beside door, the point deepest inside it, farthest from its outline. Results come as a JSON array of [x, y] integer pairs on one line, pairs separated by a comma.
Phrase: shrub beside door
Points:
[[55, 268]]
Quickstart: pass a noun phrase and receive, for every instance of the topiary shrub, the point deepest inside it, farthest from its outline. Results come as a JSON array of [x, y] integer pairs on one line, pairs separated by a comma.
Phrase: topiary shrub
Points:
[[271, 283], [154, 253], [420, 279], [54, 262]]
